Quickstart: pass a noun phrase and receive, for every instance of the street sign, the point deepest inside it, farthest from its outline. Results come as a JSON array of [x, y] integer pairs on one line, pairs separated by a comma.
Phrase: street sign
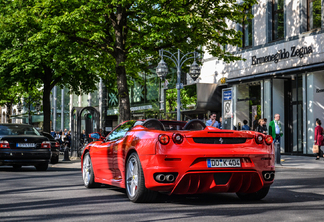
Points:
[[227, 108], [227, 95]]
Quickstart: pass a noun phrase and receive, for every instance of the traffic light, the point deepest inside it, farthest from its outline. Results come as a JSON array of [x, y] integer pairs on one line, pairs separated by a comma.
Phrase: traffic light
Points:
[[89, 116]]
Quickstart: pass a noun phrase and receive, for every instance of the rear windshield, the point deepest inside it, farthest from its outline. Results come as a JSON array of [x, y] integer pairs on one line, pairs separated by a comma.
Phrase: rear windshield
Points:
[[18, 130]]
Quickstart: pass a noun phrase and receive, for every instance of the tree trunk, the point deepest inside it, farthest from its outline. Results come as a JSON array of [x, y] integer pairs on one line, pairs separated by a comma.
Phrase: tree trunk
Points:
[[46, 99], [46, 108], [124, 104], [120, 27], [8, 114]]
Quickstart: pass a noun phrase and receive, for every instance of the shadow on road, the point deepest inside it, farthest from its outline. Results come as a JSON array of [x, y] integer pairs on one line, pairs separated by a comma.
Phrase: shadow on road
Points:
[[62, 196]]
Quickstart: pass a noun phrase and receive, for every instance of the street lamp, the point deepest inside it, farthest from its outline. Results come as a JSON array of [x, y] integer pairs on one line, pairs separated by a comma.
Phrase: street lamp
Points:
[[162, 70]]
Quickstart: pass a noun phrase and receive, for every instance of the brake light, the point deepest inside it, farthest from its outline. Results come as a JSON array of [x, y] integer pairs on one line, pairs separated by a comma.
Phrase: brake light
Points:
[[164, 139], [57, 144], [4, 144], [177, 138], [259, 138], [268, 139], [46, 144]]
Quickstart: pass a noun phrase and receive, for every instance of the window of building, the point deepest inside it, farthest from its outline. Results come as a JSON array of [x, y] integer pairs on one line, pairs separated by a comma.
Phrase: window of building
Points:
[[313, 14], [247, 28], [277, 19]]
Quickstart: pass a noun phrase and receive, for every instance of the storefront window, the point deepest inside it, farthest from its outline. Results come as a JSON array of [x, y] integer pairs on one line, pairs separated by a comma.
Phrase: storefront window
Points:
[[313, 14], [95, 97], [75, 100], [248, 104], [277, 19]]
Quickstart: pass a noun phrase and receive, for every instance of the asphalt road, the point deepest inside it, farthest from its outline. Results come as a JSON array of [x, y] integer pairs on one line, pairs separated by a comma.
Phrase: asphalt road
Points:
[[58, 194]]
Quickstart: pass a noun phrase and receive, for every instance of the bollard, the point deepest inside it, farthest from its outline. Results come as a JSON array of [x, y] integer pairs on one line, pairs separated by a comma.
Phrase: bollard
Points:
[[278, 155], [66, 154]]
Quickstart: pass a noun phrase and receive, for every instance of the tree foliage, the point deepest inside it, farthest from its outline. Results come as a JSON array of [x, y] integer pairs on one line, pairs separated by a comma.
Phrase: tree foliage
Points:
[[30, 54], [130, 32], [70, 42]]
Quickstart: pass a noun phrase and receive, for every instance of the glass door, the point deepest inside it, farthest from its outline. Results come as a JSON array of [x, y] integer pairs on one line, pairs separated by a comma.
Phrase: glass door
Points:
[[295, 120]]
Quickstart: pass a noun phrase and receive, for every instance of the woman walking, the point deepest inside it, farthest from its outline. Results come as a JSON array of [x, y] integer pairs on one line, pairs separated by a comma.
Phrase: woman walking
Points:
[[261, 128], [318, 138]]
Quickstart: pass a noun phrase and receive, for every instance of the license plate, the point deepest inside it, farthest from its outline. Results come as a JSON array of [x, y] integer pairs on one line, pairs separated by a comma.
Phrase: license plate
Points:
[[26, 145], [223, 163]]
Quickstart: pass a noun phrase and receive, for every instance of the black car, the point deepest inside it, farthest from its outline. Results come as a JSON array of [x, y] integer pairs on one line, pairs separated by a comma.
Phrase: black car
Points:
[[23, 145], [55, 147]]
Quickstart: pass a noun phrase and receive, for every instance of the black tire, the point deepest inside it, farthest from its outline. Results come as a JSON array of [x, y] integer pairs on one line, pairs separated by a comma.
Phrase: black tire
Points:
[[254, 196], [135, 182], [16, 167], [55, 160], [42, 167], [87, 173]]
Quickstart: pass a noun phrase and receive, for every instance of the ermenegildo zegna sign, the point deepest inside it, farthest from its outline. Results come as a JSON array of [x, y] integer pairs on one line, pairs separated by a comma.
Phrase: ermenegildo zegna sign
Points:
[[282, 54]]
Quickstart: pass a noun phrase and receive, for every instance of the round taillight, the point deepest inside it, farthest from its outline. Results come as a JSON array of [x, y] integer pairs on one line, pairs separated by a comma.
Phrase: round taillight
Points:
[[177, 138], [268, 139], [164, 139], [258, 138]]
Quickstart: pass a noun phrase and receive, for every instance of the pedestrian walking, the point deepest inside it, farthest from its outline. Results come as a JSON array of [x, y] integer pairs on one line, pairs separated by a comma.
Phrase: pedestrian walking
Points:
[[261, 128], [212, 121], [68, 137], [53, 133], [255, 122], [275, 129], [318, 138], [245, 126], [57, 136]]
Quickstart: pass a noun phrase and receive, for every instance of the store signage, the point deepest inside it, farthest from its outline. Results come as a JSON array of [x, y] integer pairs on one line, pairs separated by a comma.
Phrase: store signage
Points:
[[140, 108], [319, 90], [283, 54]]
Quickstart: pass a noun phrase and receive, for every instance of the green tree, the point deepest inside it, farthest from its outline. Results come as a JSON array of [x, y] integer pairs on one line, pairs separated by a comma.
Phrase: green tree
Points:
[[129, 33], [30, 54]]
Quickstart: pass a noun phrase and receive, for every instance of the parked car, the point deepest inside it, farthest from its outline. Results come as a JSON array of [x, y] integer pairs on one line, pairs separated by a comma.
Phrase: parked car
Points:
[[174, 157], [55, 147], [23, 145]]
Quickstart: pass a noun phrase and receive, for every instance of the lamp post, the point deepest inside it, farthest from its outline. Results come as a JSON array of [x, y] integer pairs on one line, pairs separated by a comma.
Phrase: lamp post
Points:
[[162, 70]]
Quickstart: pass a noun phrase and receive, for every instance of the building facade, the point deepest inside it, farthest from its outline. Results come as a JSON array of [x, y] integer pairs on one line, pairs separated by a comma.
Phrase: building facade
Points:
[[282, 71]]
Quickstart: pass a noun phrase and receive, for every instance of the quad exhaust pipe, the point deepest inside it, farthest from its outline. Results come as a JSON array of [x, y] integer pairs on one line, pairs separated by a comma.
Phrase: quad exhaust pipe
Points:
[[169, 178]]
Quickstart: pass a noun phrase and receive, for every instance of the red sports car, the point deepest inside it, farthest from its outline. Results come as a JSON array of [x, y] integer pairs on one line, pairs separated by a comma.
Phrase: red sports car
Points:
[[174, 157]]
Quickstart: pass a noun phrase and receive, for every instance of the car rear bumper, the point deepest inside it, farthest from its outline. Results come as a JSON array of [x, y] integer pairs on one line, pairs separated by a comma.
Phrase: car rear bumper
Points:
[[192, 175], [24, 157]]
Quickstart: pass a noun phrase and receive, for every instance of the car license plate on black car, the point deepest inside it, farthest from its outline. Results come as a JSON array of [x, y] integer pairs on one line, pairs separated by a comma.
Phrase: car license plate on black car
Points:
[[26, 145], [223, 163]]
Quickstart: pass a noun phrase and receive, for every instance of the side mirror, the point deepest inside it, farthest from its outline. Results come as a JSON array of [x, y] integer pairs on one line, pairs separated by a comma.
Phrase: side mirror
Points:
[[96, 136]]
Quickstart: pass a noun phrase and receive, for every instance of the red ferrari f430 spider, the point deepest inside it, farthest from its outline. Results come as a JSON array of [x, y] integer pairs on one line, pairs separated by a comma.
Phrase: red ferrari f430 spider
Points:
[[174, 157]]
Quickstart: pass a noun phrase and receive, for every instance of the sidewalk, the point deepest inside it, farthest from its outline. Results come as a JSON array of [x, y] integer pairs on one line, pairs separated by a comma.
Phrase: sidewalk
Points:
[[300, 162], [287, 161], [74, 163]]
